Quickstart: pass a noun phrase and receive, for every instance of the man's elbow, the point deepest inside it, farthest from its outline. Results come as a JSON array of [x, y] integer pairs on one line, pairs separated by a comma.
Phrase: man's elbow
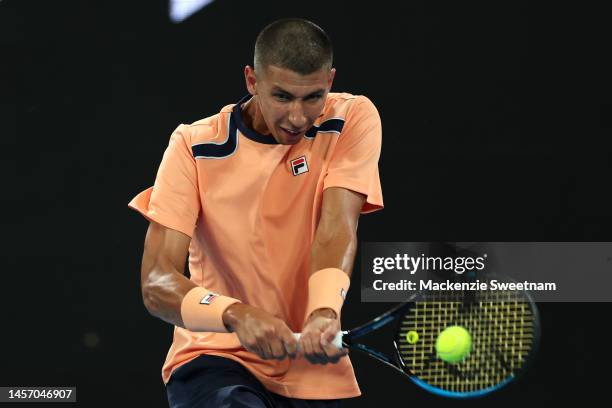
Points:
[[152, 294], [148, 298], [162, 293]]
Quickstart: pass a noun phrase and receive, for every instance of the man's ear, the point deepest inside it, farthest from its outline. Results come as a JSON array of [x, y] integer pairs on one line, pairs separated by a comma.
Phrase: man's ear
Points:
[[332, 75], [250, 79]]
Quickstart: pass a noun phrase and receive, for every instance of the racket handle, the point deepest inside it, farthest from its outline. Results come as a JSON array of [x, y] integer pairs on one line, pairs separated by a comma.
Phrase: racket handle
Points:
[[336, 342]]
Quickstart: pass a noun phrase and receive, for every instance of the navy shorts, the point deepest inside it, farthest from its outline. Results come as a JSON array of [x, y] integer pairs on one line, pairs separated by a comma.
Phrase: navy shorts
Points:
[[212, 381]]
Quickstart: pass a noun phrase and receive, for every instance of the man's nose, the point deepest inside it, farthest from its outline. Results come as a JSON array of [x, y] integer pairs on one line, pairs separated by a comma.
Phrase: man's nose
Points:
[[297, 117]]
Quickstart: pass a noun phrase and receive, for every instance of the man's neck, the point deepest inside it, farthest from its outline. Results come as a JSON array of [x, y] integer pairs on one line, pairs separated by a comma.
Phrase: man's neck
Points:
[[251, 116]]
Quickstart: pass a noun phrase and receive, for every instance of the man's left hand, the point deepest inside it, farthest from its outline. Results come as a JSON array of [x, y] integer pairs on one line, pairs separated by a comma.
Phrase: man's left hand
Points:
[[317, 337]]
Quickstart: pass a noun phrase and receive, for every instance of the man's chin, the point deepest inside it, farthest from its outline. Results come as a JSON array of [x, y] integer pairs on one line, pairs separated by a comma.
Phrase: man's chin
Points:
[[292, 141], [287, 138]]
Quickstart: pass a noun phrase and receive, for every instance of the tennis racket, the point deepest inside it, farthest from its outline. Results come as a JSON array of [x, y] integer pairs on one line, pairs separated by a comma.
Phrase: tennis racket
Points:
[[504, 326]]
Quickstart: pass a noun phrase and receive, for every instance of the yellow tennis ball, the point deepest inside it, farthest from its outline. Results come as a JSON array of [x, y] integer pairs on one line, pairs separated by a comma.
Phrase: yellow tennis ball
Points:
[[412, 337], [453, 344]]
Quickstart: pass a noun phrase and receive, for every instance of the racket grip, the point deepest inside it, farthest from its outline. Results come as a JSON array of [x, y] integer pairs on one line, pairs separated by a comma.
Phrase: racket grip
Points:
[[336, 342]]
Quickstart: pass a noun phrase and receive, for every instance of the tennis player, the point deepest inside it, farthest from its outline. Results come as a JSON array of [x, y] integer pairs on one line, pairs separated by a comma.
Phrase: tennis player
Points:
[[263, 198]]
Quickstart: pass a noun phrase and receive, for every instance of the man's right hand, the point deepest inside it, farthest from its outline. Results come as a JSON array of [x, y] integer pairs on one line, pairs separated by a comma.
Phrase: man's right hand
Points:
[[260, 332]]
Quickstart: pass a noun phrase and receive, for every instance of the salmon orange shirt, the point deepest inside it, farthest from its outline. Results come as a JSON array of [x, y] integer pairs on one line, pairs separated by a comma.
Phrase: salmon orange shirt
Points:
[[251, 207]]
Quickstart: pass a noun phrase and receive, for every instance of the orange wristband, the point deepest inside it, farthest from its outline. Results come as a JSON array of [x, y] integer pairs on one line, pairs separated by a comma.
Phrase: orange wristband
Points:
[[202, 310], [327, 289]]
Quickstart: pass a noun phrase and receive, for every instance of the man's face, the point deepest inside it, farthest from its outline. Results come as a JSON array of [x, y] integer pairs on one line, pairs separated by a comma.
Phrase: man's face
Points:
[[288, 102]]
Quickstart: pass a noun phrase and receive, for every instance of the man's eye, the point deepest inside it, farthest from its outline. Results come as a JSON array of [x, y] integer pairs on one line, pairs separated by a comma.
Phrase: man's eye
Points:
[[281, 97]]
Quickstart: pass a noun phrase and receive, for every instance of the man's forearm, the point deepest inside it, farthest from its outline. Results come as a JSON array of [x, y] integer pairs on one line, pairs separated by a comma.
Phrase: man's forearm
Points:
[[335, 241], [163, 297], [334, 249], [163, 294]]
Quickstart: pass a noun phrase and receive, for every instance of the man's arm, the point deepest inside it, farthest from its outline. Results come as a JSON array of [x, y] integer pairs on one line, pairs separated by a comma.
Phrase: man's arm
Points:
[[335, 242], [334, 246], [164, 286], [162, 281]]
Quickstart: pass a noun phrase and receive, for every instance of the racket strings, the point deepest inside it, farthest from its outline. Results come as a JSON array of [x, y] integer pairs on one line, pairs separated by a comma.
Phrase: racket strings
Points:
[[502, 328]]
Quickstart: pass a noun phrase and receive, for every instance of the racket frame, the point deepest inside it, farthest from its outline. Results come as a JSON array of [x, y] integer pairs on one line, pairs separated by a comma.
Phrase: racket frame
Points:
[[394, 316]]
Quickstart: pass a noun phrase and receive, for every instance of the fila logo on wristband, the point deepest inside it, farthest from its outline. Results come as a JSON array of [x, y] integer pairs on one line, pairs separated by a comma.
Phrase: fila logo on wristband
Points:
[[208, 299]]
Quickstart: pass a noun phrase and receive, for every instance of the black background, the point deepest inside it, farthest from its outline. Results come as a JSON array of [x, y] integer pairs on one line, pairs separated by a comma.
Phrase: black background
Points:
[[496, 121]]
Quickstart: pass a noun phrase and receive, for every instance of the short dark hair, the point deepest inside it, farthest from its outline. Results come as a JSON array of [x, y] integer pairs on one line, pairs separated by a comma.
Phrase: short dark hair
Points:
[[295, 44]]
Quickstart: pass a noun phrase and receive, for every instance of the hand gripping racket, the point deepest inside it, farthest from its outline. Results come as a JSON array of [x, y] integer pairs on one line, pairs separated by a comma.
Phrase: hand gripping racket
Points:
[[504, 326]]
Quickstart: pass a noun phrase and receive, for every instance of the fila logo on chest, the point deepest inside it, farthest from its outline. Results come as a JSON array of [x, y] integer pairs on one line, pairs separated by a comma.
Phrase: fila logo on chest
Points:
[[299, 165]]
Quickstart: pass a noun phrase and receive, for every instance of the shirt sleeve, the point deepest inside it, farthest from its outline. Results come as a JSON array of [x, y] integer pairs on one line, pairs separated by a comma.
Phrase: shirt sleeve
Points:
[[354, 163], [174, 199]]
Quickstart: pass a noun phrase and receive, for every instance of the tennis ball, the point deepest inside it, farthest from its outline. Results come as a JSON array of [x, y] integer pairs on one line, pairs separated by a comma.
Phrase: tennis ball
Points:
[[412, 337], [453, 344]]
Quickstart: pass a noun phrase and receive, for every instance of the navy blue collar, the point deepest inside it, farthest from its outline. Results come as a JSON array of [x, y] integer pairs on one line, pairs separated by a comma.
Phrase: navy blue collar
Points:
[[248, 132]]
